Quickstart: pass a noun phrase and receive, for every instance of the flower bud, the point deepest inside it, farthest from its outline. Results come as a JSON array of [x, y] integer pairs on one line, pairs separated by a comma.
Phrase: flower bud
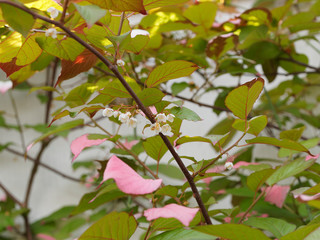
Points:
[[228, 165]]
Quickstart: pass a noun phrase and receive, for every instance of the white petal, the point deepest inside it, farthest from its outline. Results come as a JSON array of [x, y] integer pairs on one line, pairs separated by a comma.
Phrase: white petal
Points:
[[136, 32]]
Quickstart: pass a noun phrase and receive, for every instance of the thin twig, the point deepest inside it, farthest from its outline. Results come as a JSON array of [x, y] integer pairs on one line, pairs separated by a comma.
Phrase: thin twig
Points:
[[252, 205], [10, 195], [134, 70], [218, 157], [118, 34], [103, 71], [196, 102], [15, 109], [44, 165], [300, 63]]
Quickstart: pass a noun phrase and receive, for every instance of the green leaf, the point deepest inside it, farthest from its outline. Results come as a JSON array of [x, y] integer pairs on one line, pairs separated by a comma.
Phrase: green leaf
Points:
[[233, 232], [256, 124], [277, 227], [187, 139], [115, 225], [121, 6], [150, 96], [136, 44], [42, 61], [310, 143], [303, 233], [240, 100], [44, 88], [182, 234], [257, 179], [293, 67], [78, 96], [63, 212], [168, 191], [178, 87], [284, 143], [116, 89], [257, 16], [110, 193], [90, 13], [170, 171], [203, 13], [149, 4], [18, 19], [170, 70], [61, 47], [155, 147], [290, 169], [262, 51], [185, 114], [20, 50], [292, 134], [270, 69], [298, 19], [59, 129]]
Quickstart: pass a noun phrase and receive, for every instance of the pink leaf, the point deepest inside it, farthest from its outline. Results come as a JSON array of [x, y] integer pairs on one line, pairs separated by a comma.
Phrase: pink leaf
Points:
[[305, 198], [277, 194], [82, 142], [129, 145], [216, 169], [243, 163], [127, 180], [181, 213], [45, 236], [312, 157]]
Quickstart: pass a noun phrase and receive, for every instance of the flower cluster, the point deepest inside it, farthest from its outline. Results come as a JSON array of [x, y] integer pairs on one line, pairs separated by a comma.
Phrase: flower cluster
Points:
[[160, 125], [123, 117], [51, 32]]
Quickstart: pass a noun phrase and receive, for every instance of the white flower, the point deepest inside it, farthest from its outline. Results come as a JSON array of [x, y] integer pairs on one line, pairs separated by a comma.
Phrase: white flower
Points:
[[116, 114], [51, 32], [170, 117], [228, 165], [120, 63], [107, 112], [155, 127], [132, 122], [151, 62], [5, 86], [129, 114], [161, 117], [166, 129], [136, 32], [178, 35], [53, 12], [123, 118]]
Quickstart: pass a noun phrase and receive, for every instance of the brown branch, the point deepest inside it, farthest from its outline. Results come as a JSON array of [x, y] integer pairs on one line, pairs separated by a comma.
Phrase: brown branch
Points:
[[65, 7], [10, 195], [300, 63], [146, 110], [50, 93]]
